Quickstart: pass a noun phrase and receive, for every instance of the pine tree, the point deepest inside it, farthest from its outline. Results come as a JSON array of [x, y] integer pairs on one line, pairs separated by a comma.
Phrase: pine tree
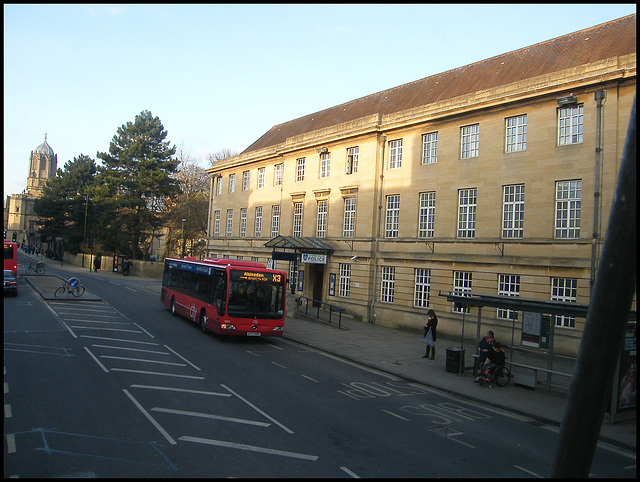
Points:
[[134, 182]]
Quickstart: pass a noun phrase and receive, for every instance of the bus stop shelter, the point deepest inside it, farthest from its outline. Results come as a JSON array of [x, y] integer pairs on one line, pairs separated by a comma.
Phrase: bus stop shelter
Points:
[[527, 306]]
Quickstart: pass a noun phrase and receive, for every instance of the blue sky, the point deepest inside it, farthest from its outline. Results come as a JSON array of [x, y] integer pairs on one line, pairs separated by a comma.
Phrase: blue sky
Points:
[[219, 76]]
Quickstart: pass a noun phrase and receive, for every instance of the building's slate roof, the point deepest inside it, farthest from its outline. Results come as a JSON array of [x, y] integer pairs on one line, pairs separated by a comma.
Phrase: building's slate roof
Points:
[[611, 39]]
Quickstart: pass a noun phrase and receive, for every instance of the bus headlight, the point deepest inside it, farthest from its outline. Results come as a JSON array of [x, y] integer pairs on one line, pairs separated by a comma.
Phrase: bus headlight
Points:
[[278, 328], [227, 326]]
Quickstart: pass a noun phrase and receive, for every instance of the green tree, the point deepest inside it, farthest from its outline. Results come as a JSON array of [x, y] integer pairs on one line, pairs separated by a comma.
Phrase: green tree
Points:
[[134, 183], [65, 203]]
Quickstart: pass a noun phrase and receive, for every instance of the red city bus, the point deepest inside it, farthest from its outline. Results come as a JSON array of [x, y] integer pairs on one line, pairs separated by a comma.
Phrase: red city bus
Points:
[[11, 256], [225, 296]]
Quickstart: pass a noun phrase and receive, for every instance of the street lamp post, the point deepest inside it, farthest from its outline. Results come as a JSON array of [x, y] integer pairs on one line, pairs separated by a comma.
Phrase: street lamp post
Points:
[[183, 238], [86, 209]]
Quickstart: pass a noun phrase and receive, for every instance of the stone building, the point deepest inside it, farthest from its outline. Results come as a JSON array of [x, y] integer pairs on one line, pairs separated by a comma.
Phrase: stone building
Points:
[[20, 220], [496, 177]]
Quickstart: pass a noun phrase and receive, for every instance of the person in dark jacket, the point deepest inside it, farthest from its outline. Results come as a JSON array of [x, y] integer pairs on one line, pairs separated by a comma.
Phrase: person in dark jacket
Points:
[[485, 347], [495, 358], [430, 327]]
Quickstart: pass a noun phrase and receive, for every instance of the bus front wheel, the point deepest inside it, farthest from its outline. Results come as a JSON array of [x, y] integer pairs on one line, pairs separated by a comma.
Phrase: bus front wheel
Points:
[[203, 321], [173, 306]]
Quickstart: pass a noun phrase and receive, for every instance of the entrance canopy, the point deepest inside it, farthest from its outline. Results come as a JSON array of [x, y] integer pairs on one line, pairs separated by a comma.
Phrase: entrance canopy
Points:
[[297, 243]]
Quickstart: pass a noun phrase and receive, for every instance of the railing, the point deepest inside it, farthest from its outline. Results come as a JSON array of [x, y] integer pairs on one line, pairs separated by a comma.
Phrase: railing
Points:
[[332, 309]]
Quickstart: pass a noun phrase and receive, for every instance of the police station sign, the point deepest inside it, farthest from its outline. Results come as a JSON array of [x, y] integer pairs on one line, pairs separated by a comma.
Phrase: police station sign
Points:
[[313, 258]]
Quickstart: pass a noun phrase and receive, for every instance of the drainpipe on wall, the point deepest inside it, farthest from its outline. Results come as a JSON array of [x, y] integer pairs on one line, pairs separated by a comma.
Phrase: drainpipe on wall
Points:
[[383, 140], [600, 96]]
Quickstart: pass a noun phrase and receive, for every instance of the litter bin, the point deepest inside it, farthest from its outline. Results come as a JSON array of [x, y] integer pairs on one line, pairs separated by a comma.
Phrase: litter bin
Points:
[[455, 360]]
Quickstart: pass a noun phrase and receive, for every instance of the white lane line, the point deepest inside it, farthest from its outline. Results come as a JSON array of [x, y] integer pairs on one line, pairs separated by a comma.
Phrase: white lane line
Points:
[[251, 448], [210, 416], [181, 357], [309, 378], [55, 315], [149, 334], [278, 365], [302, 348], [130, 289], [258, 410], [155, 373], [11, 444], [96, 360], [82, 320], [150, 418], [131, 349], [184, 390], [395, 415], [352, 474], [526, 471], [104, 329], [274, 346], [7, 410], [143, 360], [118, 339], [361, 367]]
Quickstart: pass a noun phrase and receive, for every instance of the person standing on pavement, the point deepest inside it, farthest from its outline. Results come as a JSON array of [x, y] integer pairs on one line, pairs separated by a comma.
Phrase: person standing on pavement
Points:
[[430, 334]]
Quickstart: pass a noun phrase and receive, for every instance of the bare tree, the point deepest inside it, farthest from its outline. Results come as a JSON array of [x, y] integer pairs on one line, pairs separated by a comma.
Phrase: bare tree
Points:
[[223, 153], [192, 205]]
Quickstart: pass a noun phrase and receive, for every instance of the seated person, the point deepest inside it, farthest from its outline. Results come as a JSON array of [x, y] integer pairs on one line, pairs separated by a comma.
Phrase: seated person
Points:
[[495, 358], [484, 347]]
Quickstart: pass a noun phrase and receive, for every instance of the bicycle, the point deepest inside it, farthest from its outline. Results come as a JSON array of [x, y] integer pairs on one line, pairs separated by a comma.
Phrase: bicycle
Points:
[[39, 269], [72, 286]]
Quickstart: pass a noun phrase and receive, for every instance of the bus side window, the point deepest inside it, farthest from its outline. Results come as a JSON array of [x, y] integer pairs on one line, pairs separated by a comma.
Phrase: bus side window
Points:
[[219, 291]]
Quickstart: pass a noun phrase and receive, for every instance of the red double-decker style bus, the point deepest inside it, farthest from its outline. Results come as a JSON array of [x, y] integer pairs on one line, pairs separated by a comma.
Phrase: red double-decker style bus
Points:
[[11, 256], [225, 296]]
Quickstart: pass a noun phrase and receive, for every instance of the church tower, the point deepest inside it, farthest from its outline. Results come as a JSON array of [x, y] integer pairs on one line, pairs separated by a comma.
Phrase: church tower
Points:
[[43, 165]]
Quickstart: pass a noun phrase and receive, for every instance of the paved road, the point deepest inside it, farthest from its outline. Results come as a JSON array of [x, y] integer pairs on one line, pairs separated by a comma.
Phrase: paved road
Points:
[[107, 389]]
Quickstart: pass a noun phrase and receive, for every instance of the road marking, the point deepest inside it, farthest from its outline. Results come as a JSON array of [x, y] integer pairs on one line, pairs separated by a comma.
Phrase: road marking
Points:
[[309, 378], [11, 444], [53, 350], [96, 360], [155, 373], [361, 367], [150, 335], [274, 346], [300, 346], [130, 289], [81, 320], [185, 390], [118, 339], [55, 315], [526, 471], [602, 445], [150, 418], [142, 360], [181, 357], [258, 410], [7, 410], [131, 349], [355, 476], [251, 448], [395, 415], [278, 364], [104, 329], [208, 415]]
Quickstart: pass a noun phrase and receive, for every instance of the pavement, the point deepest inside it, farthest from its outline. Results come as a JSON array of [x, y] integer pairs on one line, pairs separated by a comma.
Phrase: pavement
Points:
[[398, 352]]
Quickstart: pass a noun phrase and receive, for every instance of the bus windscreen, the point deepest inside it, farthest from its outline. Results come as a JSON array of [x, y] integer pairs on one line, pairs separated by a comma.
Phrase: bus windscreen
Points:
[[255, 294]]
